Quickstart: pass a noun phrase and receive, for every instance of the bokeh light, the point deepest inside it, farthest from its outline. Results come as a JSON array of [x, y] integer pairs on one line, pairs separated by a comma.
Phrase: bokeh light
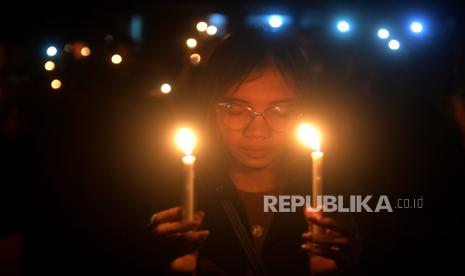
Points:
[[116, 59], [394, 44], [191, 43], [195, 59], [55, 84], [416, 27], [201, 26], [383, 33], [85, 51], [165, 88], [49, 65], [343, 26], [52, 51], [212, 30], [275, 21]]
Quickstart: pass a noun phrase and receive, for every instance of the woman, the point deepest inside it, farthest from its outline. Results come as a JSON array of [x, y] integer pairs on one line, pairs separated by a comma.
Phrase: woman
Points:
[[256, 84]]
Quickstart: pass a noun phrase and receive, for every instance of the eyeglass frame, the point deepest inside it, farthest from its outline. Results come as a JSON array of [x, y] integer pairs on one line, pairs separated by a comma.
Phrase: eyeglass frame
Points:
[[255, 113]]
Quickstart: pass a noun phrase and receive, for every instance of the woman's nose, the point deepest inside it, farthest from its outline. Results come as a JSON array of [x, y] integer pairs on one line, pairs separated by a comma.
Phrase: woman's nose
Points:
[[257, 128]]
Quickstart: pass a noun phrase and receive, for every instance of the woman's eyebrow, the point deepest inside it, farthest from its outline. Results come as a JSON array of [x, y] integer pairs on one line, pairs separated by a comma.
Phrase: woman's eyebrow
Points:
[[283, 101], [273, 103], [233, 99]]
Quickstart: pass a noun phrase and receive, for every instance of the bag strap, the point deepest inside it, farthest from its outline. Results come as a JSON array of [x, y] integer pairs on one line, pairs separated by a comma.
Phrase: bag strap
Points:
[[255, 263]]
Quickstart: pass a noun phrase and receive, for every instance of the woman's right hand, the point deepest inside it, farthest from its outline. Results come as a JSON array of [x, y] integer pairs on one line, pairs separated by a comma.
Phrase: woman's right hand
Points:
[[176, 236]]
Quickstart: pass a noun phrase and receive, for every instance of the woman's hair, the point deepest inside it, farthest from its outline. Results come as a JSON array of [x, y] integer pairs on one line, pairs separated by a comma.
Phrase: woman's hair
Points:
[[231, 63], [239, 54]]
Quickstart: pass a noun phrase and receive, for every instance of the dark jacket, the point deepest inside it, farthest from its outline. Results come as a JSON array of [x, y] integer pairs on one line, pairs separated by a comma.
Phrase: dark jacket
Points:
[[222, 253]]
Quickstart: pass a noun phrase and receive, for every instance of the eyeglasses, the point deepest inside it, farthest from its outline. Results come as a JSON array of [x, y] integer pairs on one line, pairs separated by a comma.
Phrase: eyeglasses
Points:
[[237, 116]]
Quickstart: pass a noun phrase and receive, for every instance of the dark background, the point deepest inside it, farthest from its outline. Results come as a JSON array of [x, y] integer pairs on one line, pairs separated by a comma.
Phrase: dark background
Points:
[[83, 167]]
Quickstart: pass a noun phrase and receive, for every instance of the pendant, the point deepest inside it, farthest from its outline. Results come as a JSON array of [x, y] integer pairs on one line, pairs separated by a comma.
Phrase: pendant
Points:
[[257, 230]]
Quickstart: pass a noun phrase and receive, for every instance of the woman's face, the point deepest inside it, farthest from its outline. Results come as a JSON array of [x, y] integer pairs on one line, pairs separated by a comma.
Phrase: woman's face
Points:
[[263, 139]]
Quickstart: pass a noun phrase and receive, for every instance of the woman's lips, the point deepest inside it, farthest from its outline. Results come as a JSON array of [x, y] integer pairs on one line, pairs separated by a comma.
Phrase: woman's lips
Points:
[[256, 152]]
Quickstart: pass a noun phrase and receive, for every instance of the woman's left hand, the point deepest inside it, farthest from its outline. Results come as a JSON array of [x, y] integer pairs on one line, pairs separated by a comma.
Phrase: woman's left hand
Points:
[[336, 247]]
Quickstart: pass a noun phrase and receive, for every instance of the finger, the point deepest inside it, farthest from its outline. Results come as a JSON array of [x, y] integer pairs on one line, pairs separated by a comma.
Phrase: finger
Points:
[[312, 245], [167, 215], [318, 217], [332, 232], [315, 250], [337, 227], [327, 240], [173, 227], [200, 213], [198, 217], [181, 244], [194, 236], [325, 221], [310, 227], [312, 214], [330, 248]]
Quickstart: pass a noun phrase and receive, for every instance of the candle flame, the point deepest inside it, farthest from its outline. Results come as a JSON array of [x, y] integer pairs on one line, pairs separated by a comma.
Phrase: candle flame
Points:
[[185, 140], [309, 136], [188, 159]]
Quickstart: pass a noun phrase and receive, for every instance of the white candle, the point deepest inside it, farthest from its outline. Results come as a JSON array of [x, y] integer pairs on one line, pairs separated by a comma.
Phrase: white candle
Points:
[[186, 140], [310, 137], [317, 183], [188, 195]]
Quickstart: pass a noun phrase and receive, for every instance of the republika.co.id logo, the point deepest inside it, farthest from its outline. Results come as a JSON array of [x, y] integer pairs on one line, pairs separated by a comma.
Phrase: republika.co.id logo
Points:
[[332, 203]]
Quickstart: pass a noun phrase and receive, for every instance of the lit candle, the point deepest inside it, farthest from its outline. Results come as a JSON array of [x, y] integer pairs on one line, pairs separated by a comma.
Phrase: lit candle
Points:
[[310, 137], [186, 140]]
